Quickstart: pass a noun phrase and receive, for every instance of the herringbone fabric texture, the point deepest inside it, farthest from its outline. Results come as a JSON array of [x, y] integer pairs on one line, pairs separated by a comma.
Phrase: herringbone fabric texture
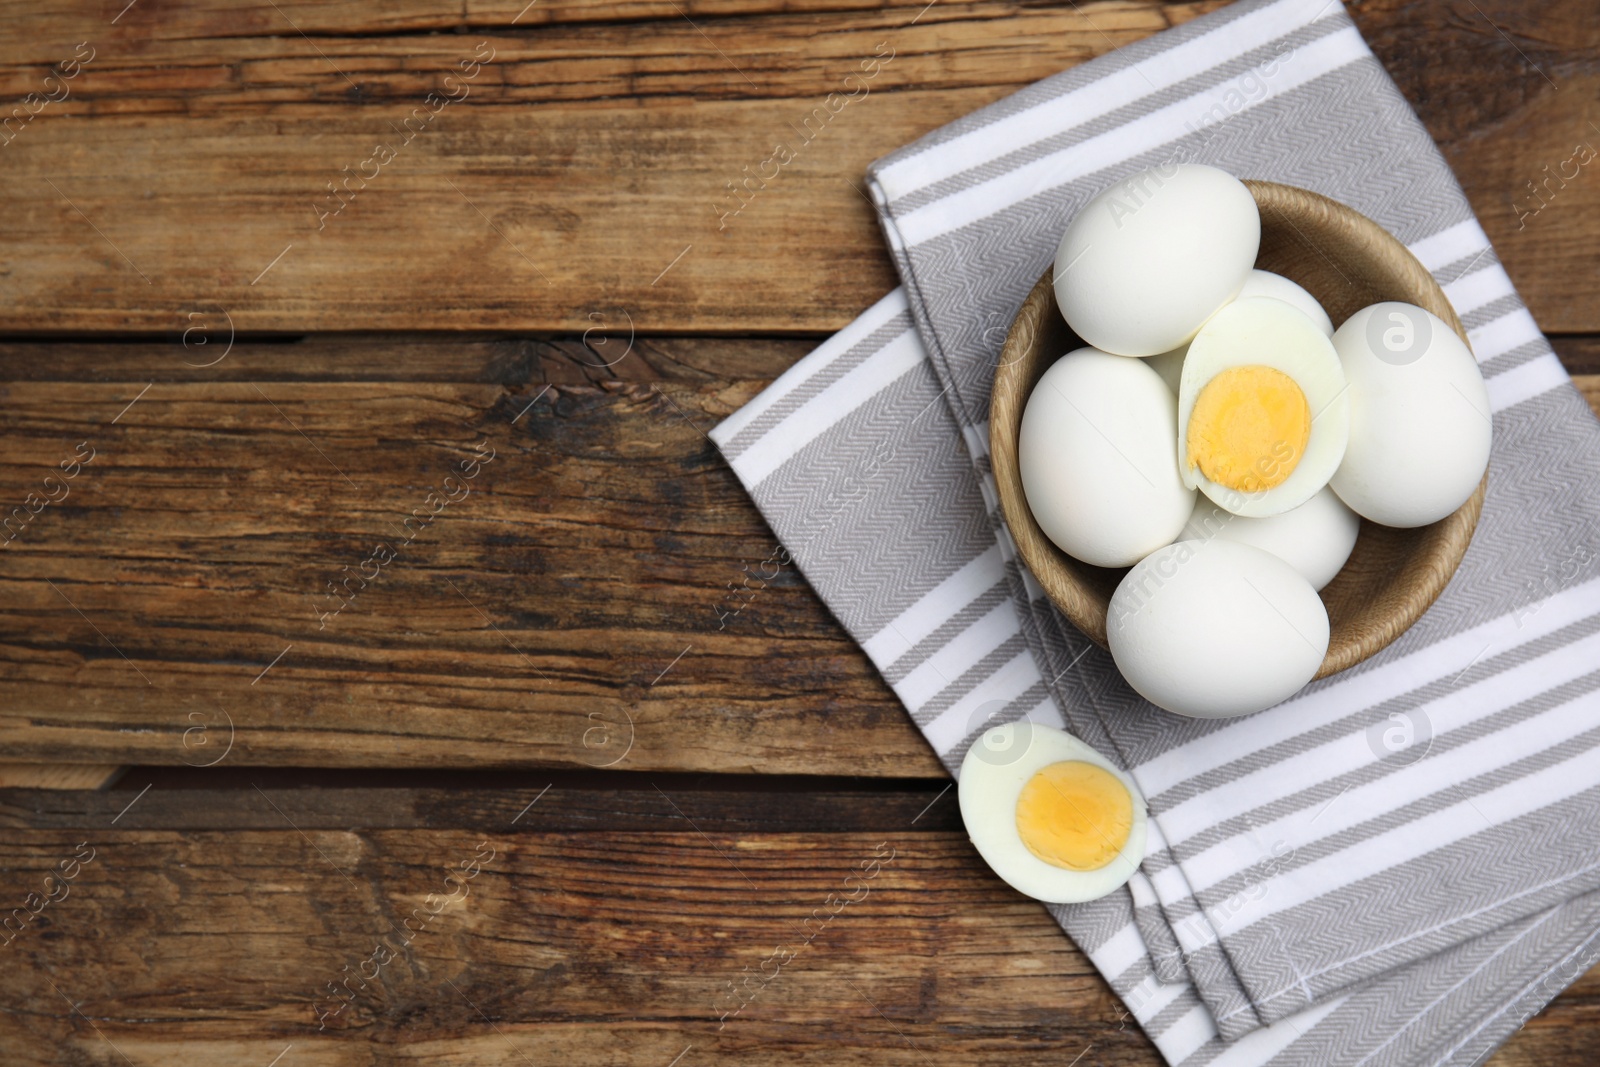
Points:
[[1399, 863]]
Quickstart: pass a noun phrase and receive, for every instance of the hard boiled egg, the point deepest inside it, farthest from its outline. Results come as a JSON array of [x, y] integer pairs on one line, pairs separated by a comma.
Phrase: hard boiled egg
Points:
[[1266, 283], [1054, 818], [1097, 456], [1147, 261], [1169, 365], [1259, 283], [1263, 420], [1420, 425], [1315, 538], [1216, 628]]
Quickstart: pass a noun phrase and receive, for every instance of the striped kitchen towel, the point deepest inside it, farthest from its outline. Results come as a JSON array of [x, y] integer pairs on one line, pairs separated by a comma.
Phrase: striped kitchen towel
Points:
[[1403, 861]]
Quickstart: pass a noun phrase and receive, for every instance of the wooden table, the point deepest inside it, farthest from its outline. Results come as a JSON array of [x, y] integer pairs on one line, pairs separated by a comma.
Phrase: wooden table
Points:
[[527, 787]]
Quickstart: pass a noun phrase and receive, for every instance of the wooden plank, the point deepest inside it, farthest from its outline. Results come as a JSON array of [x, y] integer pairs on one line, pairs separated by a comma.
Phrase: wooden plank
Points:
[[261, 799], [768, 54], [579, 607], [588, 169], [622, 947], [501, 214], [596, 598], [250, 18]]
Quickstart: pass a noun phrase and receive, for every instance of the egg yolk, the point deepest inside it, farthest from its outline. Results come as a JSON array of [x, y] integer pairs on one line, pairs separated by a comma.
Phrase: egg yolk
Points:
[[1075, 815], [1248, 428]]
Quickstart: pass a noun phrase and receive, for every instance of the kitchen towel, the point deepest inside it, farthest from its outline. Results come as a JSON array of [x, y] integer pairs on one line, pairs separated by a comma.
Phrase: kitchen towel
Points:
[[1401, 862]]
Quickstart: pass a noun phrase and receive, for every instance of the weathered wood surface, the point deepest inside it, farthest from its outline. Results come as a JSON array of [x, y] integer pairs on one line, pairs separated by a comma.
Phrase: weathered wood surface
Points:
[[572, 609], [587, 165], [622, 945], [603, 568], [606, 947], [254, 798]]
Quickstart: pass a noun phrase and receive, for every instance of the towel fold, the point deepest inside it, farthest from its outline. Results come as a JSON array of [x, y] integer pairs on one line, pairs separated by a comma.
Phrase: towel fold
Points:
[[1402, 861]]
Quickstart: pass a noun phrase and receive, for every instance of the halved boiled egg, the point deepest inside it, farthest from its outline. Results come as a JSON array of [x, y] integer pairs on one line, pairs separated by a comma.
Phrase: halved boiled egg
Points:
[[1054, 818], [1260, 283], [1266, 283], [1263, 419]]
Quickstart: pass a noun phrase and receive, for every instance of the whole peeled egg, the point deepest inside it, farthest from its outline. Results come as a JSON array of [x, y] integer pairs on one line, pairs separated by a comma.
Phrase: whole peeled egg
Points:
[[1216, 628], [1315, 538], [1054, 818], [1420, 424], [1097, 455], [1147, 261]]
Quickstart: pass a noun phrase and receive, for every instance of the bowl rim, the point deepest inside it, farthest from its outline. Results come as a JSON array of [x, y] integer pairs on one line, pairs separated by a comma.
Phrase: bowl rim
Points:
[[1442, 544]]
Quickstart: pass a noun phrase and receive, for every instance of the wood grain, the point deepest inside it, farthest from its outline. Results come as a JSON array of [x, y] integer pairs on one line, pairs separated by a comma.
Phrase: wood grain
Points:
[[248, 18], [616, 947], [258, 798], [583, 161], [619, 946], [189, 159], [596, 599]]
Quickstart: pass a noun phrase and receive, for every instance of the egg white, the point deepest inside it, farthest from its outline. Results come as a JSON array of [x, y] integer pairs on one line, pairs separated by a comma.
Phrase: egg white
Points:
[[1264, 331], [997, 766], [1315, 538], [1260, 283], [1266, 283]]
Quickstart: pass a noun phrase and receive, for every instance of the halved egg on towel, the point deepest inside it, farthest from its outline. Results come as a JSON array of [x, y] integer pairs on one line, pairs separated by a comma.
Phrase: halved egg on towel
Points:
[[1263, 419], [1054, 818]]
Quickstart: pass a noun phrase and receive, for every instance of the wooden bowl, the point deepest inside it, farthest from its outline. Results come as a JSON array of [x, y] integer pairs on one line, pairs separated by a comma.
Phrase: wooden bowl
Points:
[[1346, 261]]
